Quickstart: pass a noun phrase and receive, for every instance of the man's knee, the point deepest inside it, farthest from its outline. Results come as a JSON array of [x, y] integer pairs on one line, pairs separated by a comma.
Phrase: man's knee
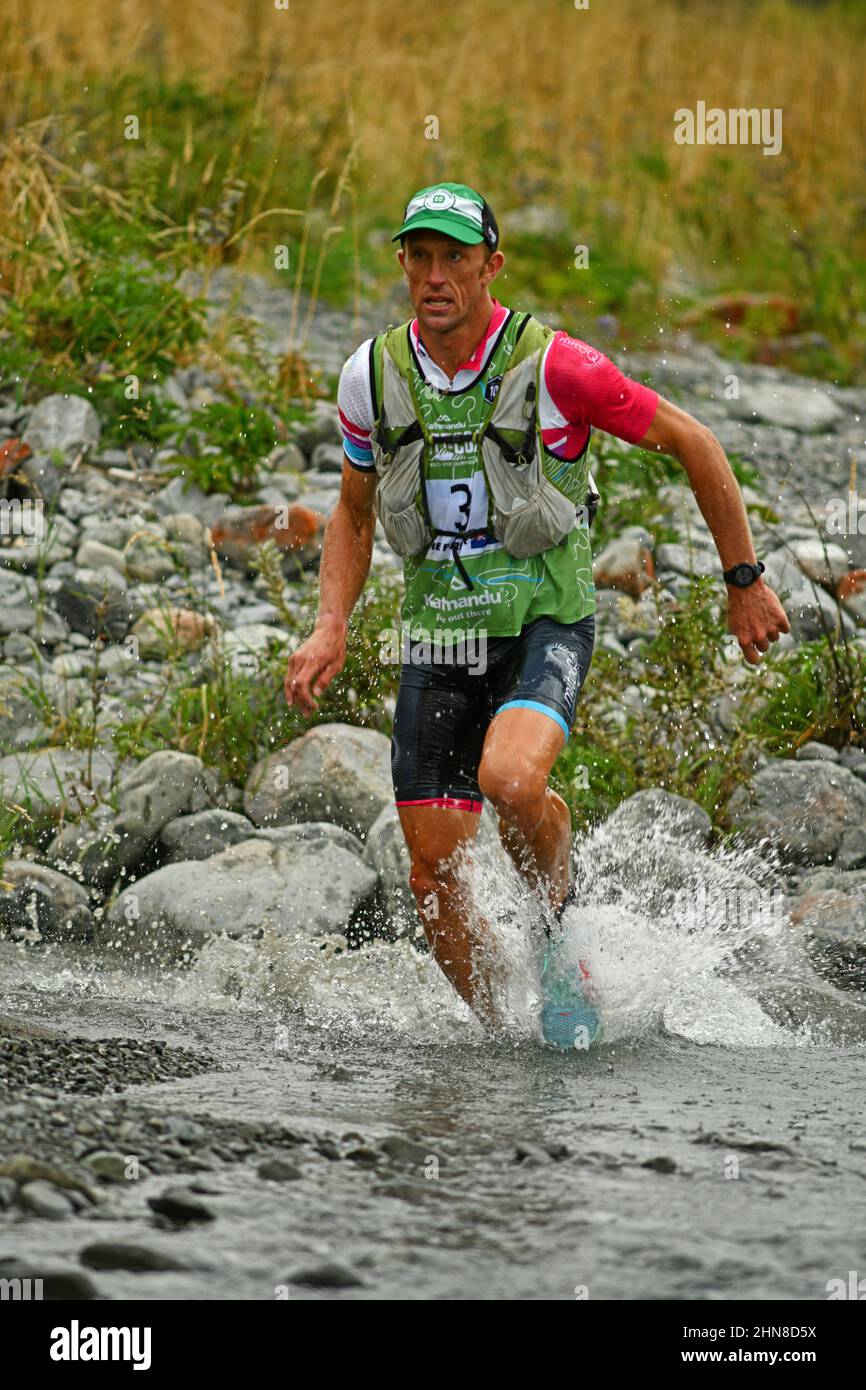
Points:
[[429, 880], [514, 792], [422, 881]]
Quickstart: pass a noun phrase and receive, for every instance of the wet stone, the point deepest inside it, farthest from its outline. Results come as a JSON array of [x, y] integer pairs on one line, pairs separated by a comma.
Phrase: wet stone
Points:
[[414, 1192], [124, 1062], [531, 1155], [279, 1170], [661, 1164], [110, 1166], [364, 1157], [41, 1199], [180, 1206], [57, 1281], [328, 1275], [184, 1130], [402, 1150], [138, 1259]]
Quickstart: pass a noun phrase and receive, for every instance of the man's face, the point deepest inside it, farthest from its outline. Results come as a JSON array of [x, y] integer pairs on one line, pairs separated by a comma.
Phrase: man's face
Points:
[[446, 277]]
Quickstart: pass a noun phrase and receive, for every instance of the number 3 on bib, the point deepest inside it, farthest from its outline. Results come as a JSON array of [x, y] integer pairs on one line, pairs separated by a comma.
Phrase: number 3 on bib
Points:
[[458, 506]]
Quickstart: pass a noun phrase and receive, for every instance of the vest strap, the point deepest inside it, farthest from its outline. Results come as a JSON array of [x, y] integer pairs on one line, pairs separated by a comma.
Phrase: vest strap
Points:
[[526, 448], [411, 434]]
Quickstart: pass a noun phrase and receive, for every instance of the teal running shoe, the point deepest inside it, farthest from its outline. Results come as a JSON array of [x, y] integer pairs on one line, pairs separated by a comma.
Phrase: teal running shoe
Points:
[[570, 1014]]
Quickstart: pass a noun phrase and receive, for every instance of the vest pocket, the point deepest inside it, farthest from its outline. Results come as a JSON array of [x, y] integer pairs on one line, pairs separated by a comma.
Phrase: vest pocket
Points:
[[406, 530], [539, 515]]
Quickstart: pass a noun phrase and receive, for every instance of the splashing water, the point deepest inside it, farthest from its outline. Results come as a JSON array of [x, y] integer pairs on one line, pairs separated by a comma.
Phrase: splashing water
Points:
[[673, 935], [665, 930], [677, 939]]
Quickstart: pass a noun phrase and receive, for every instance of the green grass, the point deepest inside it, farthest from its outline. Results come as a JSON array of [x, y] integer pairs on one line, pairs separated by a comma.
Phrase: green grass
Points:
[[816, 691], [213, 180], [232, 719], [821, 696]]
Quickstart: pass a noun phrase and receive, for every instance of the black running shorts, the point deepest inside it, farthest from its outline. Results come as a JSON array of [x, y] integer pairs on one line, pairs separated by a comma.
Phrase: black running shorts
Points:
[[443, 709]]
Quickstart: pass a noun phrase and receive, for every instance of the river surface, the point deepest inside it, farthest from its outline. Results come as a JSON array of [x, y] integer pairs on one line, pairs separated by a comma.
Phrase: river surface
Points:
[[704, 1150]]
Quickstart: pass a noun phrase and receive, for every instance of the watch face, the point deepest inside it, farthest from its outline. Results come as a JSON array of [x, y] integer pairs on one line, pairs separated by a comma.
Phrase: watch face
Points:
[[743, 575]]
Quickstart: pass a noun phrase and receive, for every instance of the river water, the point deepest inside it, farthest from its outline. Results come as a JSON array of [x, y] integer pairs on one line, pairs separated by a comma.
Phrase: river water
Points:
[[710, 1147]]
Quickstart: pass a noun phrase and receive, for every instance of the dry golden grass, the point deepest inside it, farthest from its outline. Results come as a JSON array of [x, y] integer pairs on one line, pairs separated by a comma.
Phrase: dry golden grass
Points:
[[587, 88], [536, 102]]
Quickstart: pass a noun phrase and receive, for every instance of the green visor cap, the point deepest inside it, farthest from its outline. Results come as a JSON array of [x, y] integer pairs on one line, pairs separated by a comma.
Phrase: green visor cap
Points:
[[454, 209]]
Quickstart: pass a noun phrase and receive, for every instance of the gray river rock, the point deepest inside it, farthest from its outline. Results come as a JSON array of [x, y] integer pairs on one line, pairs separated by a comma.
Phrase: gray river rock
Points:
[[806, 409], [806, 809], [163, 786], [40, 902], [832, 911], [54, 781], [335, 772], [682, 821], [66, 425], [203, 834], [314, 886]]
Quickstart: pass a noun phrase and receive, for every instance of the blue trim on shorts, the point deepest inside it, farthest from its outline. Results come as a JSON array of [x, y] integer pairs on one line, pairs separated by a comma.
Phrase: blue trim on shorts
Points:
[[536, 704]]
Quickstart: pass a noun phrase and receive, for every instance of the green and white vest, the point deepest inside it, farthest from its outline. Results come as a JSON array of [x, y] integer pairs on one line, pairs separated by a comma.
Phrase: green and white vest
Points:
[[493, 529]]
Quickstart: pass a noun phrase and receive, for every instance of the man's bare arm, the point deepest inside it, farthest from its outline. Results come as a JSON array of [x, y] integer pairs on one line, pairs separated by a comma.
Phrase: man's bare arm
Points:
[[347, 547], [347, 550], [755, 615]]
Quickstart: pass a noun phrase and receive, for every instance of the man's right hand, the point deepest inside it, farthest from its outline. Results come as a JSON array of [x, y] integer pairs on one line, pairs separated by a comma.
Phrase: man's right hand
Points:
[[313, 666]]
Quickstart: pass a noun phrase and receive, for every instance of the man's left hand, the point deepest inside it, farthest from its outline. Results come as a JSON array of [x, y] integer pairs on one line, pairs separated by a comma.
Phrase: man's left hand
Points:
[[756, 618]]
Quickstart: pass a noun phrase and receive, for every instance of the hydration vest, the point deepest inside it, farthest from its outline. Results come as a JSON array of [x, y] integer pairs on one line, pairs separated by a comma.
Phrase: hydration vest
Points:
[[534, 498]]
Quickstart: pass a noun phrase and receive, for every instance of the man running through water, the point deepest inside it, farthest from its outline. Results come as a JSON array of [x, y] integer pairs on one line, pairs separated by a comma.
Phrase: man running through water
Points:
[[443, 420]]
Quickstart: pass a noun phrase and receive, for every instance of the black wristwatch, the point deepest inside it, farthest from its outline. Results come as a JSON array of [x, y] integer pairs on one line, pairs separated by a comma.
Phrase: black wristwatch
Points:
[[741, 576]]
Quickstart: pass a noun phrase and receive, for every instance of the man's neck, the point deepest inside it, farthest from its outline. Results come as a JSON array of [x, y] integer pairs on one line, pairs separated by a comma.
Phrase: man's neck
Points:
[[450, 350]]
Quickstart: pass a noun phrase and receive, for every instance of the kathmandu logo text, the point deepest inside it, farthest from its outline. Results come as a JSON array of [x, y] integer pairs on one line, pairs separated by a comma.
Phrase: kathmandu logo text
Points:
[[448, 605]]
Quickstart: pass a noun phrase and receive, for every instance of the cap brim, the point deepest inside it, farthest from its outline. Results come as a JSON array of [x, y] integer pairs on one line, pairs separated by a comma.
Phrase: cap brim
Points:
[[440, 223]]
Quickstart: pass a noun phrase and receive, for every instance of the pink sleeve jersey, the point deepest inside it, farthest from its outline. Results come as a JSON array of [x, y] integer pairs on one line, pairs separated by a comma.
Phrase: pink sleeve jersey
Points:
[[581, 388]]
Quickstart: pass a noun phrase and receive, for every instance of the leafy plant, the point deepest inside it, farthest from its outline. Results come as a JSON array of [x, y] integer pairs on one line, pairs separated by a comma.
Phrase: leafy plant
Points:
[[221, 447], [811, 701], [232, 717], [669, 737]]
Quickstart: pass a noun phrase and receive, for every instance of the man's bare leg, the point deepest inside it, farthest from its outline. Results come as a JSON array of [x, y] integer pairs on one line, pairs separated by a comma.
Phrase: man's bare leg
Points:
[[534, 822], [454, 931], [535, 827]]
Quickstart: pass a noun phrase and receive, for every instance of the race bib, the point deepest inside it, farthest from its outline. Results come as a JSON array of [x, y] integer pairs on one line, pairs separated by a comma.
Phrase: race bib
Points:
[[458, 504]]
